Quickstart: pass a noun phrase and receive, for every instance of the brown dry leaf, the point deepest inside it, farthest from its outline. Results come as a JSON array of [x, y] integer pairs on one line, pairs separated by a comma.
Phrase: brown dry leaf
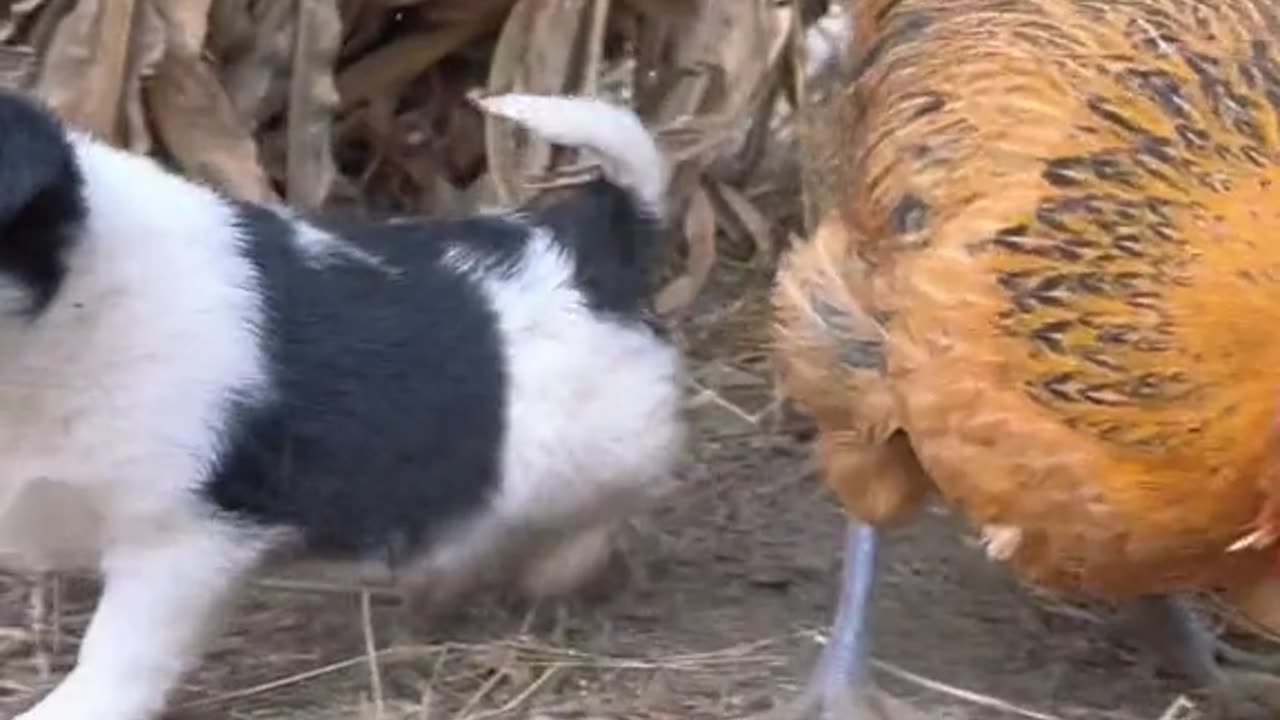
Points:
[[312, 102], [592, 65], [534, 53], [689, 74], [748, 218], [389, 68], [676, 9], [690, 83], [725, 45], [43, 24], [364, 22], [761, 92], [703, 111], [17, 67], [700, 233], [14, 15], [192, 113], [712, 71], [504, 64], [451, 12], [147, 48], [253, 40], [693, 141], [187, 23], [85, 67], [200, 128]]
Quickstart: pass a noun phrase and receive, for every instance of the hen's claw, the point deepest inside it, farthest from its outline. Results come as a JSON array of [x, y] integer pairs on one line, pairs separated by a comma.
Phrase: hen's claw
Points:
[[862, 703], [869, 705], [1187, 645], [1244, 695], [1257, 662]]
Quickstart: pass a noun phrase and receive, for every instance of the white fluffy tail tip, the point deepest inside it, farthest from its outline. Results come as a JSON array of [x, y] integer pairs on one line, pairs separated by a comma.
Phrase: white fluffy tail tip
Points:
[[628, 152]]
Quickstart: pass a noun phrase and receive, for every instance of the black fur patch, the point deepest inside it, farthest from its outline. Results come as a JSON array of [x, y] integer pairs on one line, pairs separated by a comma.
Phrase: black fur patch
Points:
[[42, 206], [387, 424], [391, 389], [614, 246]]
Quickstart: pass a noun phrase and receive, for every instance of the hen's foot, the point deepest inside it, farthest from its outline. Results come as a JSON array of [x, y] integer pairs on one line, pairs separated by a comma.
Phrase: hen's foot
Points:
[[846, 703], [841, 686], [1243, 695], [1248, 660], [1187, 645]]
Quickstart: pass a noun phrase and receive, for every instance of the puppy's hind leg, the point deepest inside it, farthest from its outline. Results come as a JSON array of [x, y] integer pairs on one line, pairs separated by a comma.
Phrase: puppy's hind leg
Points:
[[569, 563]]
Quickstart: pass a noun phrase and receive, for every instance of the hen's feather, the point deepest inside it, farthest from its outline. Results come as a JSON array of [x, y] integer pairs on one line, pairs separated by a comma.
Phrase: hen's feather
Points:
[[1049, 273]]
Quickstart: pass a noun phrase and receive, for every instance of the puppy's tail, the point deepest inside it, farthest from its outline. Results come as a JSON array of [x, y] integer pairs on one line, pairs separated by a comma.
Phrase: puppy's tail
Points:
[[628, 152]]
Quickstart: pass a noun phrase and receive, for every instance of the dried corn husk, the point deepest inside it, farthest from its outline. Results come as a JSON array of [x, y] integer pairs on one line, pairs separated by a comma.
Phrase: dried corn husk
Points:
[[364, 101]]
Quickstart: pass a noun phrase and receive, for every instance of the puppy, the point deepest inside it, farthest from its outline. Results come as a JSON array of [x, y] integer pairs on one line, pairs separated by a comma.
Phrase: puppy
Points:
[[190, 384]]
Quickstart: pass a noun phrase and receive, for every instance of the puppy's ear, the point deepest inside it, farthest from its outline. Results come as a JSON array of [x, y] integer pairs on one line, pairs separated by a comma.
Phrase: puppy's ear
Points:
[[42, 205]]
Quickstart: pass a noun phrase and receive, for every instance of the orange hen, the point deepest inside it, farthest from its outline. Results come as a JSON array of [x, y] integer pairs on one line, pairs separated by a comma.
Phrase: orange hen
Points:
[[1046, 290]]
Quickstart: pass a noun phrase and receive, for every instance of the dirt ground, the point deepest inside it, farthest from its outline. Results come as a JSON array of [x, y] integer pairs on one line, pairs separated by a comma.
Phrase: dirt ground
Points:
[[729, 594]]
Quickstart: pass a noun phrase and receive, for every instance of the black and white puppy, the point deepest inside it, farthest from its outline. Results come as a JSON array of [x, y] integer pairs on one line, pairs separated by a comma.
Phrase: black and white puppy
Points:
[[189, 383]]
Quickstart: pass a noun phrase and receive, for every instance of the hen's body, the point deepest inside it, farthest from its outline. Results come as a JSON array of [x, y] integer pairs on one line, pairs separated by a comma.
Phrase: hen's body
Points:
[[1048, 287]]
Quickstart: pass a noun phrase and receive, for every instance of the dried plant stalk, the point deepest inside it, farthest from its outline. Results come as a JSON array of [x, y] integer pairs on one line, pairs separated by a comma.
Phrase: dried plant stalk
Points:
[[364, 100]]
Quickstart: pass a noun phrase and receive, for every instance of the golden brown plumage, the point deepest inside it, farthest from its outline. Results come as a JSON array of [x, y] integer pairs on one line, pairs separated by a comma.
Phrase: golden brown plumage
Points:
[[1051, 269], [1049, 287]]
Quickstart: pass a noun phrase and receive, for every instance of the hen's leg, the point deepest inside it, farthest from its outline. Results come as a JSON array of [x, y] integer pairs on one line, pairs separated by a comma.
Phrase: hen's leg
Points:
[[841, 686], [1186, 644], [1257, 604]]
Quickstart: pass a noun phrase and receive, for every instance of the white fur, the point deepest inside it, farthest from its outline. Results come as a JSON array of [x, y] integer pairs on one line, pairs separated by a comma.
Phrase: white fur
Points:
[[570, 373], [560, 356], [112, 407], [630, 156], [86, 393]]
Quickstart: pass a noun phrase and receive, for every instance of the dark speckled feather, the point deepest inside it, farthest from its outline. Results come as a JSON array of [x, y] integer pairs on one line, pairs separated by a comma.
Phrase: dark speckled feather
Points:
[[1054, 222]]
